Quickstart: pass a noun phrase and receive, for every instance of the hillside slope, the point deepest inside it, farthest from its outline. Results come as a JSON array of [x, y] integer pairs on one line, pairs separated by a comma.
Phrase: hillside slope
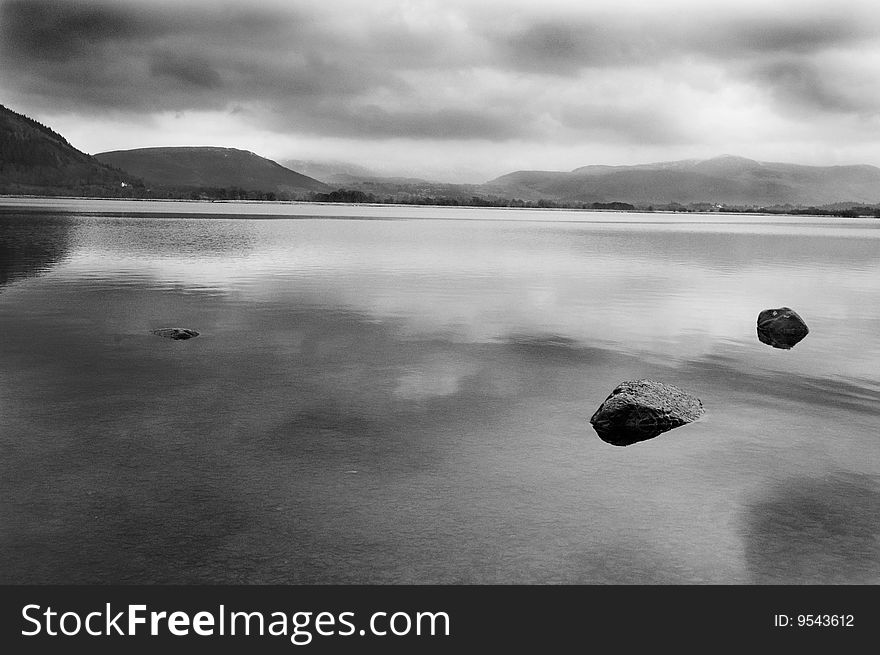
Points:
[[210, 167], [36, 160]]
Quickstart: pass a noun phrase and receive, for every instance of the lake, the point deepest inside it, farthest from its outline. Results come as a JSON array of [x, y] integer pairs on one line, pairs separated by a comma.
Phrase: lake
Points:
[[402, 395]]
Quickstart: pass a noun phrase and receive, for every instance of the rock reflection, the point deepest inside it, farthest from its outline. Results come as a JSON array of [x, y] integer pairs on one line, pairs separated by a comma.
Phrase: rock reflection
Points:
[[638, 410], [176, 333], [808, 530], [781, 328]]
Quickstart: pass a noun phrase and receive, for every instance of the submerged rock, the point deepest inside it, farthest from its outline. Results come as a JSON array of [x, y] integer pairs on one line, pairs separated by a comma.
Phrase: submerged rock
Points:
[[638, 410], [176, 333], [781, 328]]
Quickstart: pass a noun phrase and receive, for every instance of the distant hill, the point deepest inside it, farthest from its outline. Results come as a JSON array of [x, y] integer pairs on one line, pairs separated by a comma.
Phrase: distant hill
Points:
[[210, 167], [725, 180], [343, 174], [35, 160], [330, 172], [382, 188]]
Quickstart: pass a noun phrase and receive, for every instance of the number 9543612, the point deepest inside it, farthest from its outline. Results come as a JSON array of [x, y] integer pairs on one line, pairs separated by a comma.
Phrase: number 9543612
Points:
[[825, 620]]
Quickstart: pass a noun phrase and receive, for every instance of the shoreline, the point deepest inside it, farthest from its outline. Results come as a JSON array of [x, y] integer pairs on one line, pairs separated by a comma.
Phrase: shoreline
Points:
[[31, 203]]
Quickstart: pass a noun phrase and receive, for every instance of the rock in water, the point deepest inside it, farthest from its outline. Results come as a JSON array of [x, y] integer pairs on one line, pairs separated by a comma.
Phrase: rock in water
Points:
[[176, 333], [641, 409], [781, 328]]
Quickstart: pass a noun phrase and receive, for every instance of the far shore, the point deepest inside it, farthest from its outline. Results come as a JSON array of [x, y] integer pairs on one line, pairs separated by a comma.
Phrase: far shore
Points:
[[264, 208]]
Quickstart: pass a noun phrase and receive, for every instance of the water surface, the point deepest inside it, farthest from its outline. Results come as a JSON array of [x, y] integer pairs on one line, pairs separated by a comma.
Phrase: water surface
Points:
[[405, 399]]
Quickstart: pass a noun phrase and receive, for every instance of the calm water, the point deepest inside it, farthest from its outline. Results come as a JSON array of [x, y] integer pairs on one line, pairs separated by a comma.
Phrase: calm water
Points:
[[407, 400]]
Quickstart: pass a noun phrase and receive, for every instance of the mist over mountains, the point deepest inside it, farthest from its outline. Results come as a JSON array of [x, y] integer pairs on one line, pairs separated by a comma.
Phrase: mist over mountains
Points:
[[330, 172]]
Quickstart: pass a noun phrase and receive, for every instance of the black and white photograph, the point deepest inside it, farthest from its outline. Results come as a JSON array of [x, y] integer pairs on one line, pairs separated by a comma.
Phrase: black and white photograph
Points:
[[439, 293]]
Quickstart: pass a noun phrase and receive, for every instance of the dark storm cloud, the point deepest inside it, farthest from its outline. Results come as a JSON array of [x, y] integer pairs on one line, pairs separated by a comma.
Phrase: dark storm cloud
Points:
[[792, 58], [566, 47], [390, 69], [189, 70], [628, 124], [792, 34], [128, 55], [54, 31], [565, 44], [377, 122], [800, 84], [45, 29], [780, 52], [134, 57]]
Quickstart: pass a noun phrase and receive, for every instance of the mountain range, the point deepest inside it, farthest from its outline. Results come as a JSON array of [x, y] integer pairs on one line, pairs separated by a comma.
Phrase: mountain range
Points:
[[727, 180], [36, 160]]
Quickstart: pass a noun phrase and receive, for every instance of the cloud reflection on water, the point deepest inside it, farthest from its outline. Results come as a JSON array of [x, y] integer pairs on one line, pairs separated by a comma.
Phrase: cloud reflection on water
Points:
[[814, 530]]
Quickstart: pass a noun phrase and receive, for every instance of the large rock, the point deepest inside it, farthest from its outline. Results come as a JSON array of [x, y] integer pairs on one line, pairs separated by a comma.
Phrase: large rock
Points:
[[781, 328], [642, 409], [176, 333]]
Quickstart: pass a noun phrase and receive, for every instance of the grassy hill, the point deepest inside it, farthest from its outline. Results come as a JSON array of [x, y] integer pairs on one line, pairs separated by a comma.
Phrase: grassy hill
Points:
[[35, 160], [210, 167]]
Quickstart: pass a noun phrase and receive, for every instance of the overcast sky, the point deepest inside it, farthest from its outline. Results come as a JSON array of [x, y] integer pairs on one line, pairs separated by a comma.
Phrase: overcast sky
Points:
[[454, 90]]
